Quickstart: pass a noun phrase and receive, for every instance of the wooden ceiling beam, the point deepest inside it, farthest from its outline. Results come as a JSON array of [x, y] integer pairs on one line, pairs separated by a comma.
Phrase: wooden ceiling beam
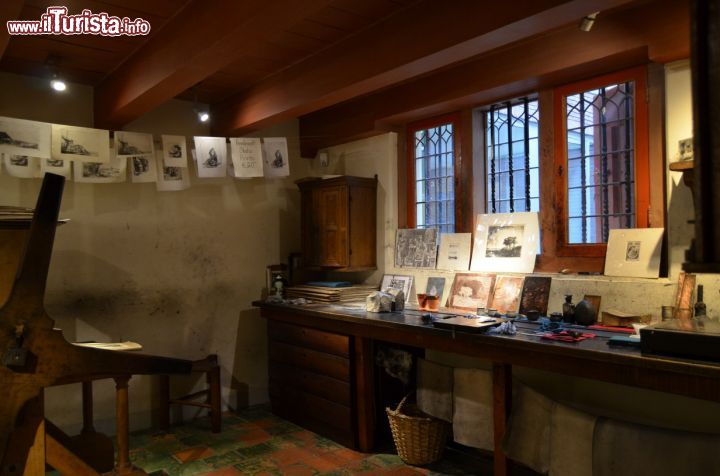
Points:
[[204, 37], [9, 10], [620, 40], [424, 37]]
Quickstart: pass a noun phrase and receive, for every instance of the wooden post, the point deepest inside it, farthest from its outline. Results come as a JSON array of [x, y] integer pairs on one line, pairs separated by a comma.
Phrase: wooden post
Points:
[[365, 393], [213, 398], [123, 466], [704, 254], [502, 400], [164, 419], [87, 407]]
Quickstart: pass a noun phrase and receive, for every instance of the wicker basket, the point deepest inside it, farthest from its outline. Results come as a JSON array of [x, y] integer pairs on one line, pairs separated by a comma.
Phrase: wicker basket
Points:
[[419, 438]]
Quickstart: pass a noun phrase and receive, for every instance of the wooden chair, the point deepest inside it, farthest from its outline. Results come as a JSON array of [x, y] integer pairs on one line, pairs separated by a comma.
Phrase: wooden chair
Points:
[[211, 368]]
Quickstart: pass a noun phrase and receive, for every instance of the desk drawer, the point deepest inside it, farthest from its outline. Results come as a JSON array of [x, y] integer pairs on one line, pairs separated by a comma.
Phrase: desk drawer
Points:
[[309, 382], [317, 362], [310, 338], [304, 406]]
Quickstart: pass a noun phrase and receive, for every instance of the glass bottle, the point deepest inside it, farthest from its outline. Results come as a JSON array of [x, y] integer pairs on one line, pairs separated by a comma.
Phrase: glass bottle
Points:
[[568, 309]]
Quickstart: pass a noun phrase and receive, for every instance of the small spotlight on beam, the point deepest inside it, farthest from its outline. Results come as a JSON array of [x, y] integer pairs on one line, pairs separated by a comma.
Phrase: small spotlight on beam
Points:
[[203, 116], [58, 84], [587, 22]]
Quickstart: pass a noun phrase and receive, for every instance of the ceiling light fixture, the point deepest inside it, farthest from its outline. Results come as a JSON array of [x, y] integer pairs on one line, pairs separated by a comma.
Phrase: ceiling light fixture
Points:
[[203, 116], [588, 21], [57, 83]]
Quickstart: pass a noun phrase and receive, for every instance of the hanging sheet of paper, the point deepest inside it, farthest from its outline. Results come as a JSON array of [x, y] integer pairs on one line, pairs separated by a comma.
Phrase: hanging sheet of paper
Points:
[[275, 157], [143, 169], [246, 153], [25, 138], [80, 143], [22, 166], [56, 166], [98, 172], [171, 179], [133, 144], [174, 150], [211, 156]]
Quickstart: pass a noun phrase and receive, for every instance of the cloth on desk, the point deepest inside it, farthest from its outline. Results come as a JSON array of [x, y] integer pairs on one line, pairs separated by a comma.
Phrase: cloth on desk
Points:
[[571, 442], [566, 336], [527, 439], [435, 389], [625, 449], [473, 408]]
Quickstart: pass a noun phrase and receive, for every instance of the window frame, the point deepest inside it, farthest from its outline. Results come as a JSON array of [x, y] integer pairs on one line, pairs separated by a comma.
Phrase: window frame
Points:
[[484, 111], [641, 155], [453, 118]]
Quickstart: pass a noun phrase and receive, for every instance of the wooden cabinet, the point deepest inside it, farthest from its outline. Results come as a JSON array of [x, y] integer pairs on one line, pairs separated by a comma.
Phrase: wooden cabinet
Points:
[[310, 379], [338, 223]]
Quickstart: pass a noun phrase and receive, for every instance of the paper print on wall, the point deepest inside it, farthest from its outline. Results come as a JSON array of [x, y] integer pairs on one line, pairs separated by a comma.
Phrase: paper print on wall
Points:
[[246, 153], [98, 172], [634, 252], [211, 156], [454, 253], [174, 150], [394, 281], [506, 242], [535, 294], [132, 144], [470, 291], [22, 166], [56, 166], [416, 248], [507, 293], [275, 157], [24, 138], [143, 169], [80, 143], [171, 179], [435, 287]]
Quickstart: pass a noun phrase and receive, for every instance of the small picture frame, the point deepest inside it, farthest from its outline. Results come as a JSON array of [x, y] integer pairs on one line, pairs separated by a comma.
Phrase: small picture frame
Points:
[[634, 252], [394, 281]]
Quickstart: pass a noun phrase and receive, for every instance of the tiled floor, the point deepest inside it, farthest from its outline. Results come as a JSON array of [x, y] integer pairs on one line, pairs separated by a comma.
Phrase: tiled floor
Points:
[[255, 442]]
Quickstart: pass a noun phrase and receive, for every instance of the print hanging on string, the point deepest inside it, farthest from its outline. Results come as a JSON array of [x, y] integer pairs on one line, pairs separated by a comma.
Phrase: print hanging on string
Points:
[[171, 179], [211, 156], [98, 172], [133, 144], [80, 143], [23, 138], [143, 169], [174, 151], [56, 166], [246, 153], [275, 157], [21, 166]]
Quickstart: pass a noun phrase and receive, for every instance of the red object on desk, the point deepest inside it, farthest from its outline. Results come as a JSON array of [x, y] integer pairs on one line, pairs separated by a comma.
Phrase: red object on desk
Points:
[[564, 336], [625, 330]]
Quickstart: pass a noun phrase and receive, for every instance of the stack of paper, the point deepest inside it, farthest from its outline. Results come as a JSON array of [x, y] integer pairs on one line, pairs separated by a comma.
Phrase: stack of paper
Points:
[[330, 295]]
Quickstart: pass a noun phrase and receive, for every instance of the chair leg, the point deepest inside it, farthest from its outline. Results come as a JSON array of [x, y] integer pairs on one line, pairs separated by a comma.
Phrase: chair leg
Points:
[[213, 381], [164, 419]]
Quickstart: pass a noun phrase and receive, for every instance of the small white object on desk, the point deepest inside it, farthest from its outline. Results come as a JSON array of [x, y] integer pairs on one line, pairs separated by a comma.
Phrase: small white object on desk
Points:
[[127, 345]]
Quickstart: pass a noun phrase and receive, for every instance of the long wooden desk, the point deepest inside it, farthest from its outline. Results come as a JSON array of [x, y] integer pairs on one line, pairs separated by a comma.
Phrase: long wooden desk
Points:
[[592, 359]]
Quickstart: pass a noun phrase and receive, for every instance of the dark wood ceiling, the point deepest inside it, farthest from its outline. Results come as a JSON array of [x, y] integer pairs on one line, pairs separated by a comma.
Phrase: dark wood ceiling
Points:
[[346, 68], [89, 59]]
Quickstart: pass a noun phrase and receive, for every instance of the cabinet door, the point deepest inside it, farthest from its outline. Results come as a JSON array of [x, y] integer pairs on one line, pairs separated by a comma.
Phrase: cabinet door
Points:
[[332, 209]]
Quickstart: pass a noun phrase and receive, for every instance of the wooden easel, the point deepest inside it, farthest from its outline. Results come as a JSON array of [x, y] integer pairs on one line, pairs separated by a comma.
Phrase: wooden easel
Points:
[[35, 356]]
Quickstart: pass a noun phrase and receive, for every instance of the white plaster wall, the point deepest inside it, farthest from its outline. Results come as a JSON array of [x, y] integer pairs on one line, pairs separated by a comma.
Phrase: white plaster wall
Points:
[[176, 271]]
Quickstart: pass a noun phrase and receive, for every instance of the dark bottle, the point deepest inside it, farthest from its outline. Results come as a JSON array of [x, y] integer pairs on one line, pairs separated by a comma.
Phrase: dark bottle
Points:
[[568, 309], [700, 308]]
